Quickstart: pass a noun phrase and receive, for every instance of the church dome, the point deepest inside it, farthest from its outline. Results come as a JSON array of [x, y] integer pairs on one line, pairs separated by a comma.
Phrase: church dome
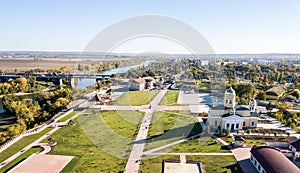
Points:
[[230, 91]]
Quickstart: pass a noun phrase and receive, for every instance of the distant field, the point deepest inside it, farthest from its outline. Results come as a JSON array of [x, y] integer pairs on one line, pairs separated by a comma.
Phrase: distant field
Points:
[[34, 64]]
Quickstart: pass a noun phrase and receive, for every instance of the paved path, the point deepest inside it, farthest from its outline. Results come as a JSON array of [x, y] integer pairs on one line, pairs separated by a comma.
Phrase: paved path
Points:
[[242, 156], [182, 158], [194, 154], [136, 154], [46, 148]]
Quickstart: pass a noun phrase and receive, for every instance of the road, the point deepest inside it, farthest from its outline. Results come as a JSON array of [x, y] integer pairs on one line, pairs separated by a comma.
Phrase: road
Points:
[[136, 154]]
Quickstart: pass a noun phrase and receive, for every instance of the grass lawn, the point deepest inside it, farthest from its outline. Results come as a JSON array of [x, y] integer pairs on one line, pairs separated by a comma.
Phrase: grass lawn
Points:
[[170, 99], [217, 164], [21, 144], [227, 139], [79, 141], [67, 116], [250, 142], [124, 123], [20, 159], [167, 127], [136, 98], [203, 145], [150, 164]]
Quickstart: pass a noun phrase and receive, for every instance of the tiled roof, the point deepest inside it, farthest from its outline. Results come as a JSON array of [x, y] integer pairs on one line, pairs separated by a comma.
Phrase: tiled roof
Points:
[[140, 80]]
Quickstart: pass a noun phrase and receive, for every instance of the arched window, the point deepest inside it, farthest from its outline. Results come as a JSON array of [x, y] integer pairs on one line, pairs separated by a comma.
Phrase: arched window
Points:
[[252, 123], [216, 122]]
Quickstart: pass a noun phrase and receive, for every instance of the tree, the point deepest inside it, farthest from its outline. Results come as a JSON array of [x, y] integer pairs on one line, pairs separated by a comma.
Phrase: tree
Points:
[[296, 93], [269, 106], [283, 106], [227, 132], [261, 95]]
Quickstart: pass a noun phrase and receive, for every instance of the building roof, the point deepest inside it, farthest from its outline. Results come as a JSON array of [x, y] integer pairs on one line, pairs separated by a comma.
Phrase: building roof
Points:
[[230, 91], [229, 114], [178, 167], [219, 107], [242, 108], [140, 80], [253, 114], [278, 91], [272, 160], [296, 144], [239, 138]]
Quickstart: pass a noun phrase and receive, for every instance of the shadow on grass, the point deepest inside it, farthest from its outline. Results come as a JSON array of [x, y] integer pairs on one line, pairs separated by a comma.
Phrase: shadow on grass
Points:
[[234, 168], [184, 132]]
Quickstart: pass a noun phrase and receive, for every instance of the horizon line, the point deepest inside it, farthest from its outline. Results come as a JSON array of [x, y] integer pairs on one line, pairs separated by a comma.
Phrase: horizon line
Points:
[[99, 52]]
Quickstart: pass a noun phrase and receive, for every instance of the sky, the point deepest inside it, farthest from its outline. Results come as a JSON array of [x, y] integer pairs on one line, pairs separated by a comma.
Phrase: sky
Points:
[[229, 26]]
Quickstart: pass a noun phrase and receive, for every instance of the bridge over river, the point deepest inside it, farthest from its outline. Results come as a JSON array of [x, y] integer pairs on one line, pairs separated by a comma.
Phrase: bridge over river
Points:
[[56, 78]]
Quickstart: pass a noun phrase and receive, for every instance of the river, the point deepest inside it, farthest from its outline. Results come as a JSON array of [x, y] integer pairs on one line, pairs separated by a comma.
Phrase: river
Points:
[[85, 82]]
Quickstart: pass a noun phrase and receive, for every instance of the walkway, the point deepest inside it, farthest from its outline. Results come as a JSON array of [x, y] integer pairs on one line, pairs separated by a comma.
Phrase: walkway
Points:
[[242, 156], [136, 154], [194, 154]]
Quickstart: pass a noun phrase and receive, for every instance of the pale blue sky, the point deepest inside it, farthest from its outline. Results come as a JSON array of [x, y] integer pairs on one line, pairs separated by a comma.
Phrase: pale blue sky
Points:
[[230, 26]]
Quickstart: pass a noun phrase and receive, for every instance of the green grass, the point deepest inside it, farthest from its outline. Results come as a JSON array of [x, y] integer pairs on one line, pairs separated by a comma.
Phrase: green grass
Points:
[[250, 142], [20, 159], [96, 141], [136, 98], [203, 145], [227, 139], [21, 144], [167, 127], [150, 164], [123, 123], [170, 99], [70, 115], [217, 164]]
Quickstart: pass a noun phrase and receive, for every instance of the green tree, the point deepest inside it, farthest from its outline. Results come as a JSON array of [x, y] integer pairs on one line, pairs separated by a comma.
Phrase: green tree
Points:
[[227, 132], [261, 95]]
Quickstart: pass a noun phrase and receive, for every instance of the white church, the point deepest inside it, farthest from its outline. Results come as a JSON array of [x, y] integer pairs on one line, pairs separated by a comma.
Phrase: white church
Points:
[[231, 116]]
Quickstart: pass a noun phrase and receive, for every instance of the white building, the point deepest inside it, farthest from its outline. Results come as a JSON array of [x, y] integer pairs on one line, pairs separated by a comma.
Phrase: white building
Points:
[[202, 62], [231, 116]]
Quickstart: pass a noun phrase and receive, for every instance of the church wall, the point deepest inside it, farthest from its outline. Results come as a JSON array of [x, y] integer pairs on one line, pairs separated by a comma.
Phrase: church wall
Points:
[[248, 122]]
